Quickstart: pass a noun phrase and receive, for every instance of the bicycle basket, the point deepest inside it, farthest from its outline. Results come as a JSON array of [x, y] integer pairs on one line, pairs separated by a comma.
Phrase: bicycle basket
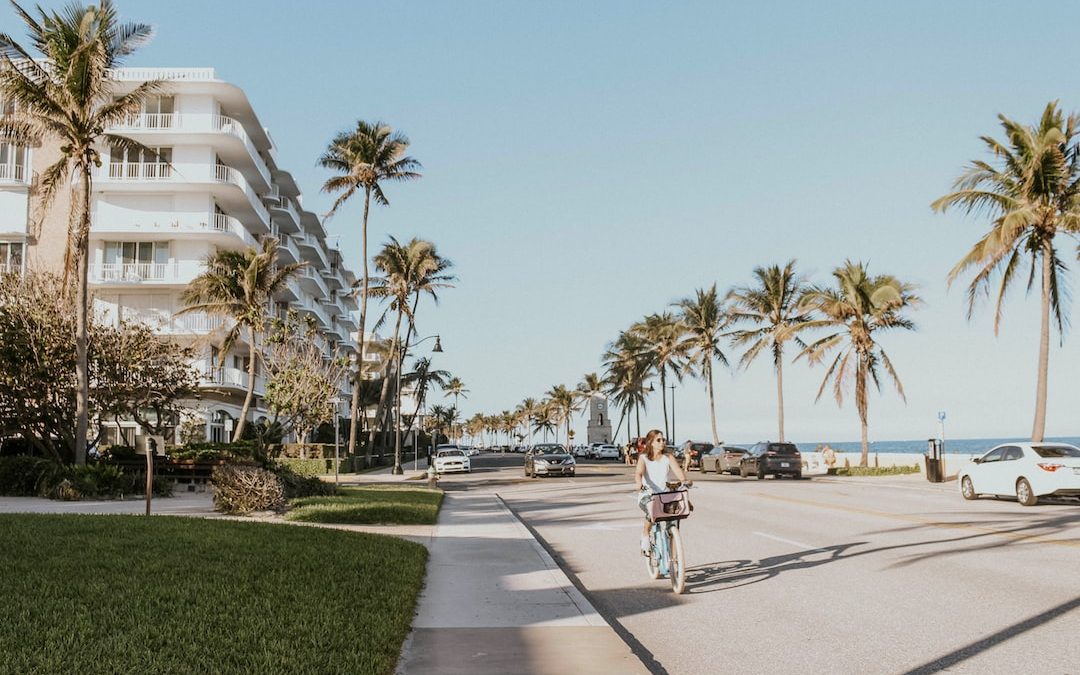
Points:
[[669, 506]]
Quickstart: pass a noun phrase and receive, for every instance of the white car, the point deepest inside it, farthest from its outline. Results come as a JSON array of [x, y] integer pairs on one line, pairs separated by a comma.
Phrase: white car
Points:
[[607, 452], [451, 460], [581, 451], [1026, 471]]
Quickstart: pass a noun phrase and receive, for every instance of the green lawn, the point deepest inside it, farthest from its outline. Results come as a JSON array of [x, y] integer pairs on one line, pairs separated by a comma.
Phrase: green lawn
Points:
[[129, 594], [369, 505]]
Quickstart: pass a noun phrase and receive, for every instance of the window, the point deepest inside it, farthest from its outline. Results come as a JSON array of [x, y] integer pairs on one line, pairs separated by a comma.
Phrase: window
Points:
[[158, 112], [11, 256], [135, 260], [220, 424], [1011, 453], [12, 162], [992, 456], [1055, 451]]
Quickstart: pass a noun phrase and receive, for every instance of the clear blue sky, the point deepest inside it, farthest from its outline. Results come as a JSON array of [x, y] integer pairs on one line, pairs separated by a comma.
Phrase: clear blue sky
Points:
[[588, 163]]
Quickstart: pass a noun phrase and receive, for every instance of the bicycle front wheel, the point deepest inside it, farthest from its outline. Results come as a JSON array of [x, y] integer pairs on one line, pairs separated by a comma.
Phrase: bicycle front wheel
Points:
[[652, 561], [676, 563]]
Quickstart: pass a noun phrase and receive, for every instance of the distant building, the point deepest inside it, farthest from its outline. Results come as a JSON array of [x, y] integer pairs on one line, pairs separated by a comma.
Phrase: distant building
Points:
[[599, 430]]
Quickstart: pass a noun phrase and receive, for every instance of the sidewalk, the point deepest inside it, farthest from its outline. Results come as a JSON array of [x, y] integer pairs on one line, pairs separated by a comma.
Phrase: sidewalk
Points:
[[495, 602]]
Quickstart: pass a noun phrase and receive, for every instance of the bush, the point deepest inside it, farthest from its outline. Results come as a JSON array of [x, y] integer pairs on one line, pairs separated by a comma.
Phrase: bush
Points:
[[298, 485], [26, 476], [307, 467], [101, 480], [118, 453], [243, 489], [877, 470], [215, 452]]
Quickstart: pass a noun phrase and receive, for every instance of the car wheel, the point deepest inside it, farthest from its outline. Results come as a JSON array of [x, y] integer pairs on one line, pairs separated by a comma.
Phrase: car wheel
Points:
[[1024, 495], [742, 472], [797, 476], [967, 490], [761, 473]]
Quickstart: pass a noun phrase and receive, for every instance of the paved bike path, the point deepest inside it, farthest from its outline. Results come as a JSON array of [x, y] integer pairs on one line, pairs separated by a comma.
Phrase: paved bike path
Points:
[[496, 603]]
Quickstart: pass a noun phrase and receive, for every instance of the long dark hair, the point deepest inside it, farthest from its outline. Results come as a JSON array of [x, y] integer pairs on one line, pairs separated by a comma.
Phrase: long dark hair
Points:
[[649, 437]]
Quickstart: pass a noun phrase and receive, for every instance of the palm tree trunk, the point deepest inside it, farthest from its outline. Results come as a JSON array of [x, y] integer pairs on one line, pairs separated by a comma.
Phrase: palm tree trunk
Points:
[[663, 399], [712, 402], [356, 412], [780, 394], [82, 368], [250, 386], [399, 352], [380, 411], [861, 404], [1039, 427], [637, 413]]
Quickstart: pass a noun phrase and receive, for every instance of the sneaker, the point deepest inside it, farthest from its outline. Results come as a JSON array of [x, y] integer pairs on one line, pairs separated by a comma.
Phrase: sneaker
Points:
[[645, 545]]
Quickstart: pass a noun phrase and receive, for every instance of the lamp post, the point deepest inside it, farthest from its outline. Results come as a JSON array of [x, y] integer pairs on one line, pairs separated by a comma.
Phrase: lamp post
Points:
[[337, 440], [437, 349]]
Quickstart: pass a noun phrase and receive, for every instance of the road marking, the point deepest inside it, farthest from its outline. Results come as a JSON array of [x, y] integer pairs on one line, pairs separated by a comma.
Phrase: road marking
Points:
[[792, 542], [1016, 536]]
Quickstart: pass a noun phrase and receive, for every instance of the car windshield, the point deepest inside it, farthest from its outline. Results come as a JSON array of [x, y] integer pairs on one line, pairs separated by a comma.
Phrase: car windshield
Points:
[[551, 450], [783, 448], [702, 447], [1055, 451], [451, 453]]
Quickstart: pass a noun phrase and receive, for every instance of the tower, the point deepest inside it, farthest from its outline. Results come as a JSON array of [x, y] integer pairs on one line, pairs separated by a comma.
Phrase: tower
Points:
[[599, 421]]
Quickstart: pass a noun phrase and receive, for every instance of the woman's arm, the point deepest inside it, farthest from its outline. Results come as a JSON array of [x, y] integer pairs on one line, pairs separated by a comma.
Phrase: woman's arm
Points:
[[639, 474], [676, 469]]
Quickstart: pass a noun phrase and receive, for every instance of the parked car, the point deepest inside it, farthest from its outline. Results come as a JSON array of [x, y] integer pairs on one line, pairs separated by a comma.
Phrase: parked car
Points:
[[549, 459], [696, 449], [767, 457], [451, 460], [722, 459], [1026, 471], [581, 451], [608, 451]]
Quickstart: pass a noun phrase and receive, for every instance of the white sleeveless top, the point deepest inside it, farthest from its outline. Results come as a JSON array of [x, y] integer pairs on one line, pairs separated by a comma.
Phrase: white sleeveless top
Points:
[[656, 473]]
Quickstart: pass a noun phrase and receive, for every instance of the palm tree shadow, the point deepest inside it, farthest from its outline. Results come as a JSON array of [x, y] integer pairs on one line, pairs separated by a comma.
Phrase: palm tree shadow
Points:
[[731, 574]]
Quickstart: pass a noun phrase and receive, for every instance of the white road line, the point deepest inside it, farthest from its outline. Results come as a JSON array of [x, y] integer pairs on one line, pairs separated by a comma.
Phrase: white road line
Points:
[[792, 542]]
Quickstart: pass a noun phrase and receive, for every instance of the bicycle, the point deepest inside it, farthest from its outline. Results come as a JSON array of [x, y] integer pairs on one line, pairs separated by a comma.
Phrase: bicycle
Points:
[[665, 556]]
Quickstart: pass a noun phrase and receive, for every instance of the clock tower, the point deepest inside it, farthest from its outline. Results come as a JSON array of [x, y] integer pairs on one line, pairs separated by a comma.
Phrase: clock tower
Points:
[[599, 421]]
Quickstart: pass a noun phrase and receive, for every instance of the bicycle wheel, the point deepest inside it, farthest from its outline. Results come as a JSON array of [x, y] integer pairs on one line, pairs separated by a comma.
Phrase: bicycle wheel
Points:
[[652, 561], [676, 563]]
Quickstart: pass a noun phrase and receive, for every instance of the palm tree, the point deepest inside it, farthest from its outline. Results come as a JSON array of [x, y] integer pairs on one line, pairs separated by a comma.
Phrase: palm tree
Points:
[[858, 308], [441, 417], [1031, 196], [545, 418], [455, 387], [627, 363], [366, 157], [703, 318], [529, 409], [422, 377], [771, 307], [563, 401], [663, 334], [240, 285], [66, 94]]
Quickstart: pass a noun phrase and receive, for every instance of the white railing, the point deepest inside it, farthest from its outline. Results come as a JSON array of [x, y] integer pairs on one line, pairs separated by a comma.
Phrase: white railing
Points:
[[140, 170], [233, 377], [286, 242], [307, 303], [230, 126], [226, 174], [151, 121], [224, 223], [285, 204], [13, 173], [142, 74], [312, 242], [135, 271], [8, 268], [196, 322], [313, 274]]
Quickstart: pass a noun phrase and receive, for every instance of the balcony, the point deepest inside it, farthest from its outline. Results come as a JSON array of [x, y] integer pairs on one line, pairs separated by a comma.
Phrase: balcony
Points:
[[14, 174], [158, 274], [228, 379], [309, 305], [227, 224], [177, 128], [315, 284], [285, 213], [287, 249], [238, 198], [220, 229], [333, 279], [290, 291], [316, 247], [196, 323]]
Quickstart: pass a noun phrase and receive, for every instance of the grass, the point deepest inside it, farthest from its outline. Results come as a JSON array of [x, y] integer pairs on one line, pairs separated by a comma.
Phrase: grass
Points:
[[370, 505], [129, 594], [877, 470]]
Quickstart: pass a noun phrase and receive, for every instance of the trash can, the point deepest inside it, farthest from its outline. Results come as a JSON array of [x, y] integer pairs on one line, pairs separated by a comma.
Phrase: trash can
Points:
[[934, 472]]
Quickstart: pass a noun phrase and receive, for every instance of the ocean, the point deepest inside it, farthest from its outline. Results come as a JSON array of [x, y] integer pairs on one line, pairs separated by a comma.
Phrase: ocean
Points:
[[953, 446]]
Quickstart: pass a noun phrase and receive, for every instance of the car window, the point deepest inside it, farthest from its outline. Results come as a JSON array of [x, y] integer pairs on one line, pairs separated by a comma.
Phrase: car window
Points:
[[783, 448], [992, 456], [451, 453], [737, 451], [1055, 451], [1011, 453]]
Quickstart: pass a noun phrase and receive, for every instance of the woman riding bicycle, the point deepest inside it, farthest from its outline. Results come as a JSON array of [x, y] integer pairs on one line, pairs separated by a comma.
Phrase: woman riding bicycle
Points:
[[654, 469]]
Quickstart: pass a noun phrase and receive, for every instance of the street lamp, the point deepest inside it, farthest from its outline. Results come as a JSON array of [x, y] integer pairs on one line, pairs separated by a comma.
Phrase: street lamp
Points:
[[673, 414], [437, 349], [337, 440]]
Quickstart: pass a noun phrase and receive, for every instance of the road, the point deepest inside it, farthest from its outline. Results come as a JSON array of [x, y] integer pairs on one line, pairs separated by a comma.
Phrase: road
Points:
[[830, 575]]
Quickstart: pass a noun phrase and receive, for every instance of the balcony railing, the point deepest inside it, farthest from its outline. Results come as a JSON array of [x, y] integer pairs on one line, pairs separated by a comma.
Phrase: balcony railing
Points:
[[141, 74], [129, 273], [150, 121], [14, 173], [313, 275], [286, 242], [226, 174], [196, 322], [10, 268], [224, 223], [140, 170]]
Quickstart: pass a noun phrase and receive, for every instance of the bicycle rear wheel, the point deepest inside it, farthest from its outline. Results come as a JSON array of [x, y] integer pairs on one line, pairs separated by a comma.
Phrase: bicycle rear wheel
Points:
[[676, 563], [652, 561]]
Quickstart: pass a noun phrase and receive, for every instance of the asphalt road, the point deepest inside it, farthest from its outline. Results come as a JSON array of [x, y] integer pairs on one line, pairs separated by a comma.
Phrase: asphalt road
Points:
[[873, 575]]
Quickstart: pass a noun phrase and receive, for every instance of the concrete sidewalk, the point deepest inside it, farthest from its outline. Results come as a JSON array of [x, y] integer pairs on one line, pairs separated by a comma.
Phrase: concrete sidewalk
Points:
[[496, 603]]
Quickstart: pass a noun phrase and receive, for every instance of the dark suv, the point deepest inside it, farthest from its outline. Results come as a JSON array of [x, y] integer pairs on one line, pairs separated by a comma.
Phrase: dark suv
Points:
[[695, 449], [779, 459]]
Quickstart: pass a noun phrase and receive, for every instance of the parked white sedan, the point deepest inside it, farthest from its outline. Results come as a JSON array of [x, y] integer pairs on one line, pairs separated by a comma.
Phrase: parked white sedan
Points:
[[447, 461], [1026, 471]]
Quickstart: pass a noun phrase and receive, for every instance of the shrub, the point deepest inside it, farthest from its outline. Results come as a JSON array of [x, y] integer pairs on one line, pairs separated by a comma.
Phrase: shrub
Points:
[[306, 467], [299, 485], [118, 453], [215, 452], [101, 480], [243, 489], [26, 476]]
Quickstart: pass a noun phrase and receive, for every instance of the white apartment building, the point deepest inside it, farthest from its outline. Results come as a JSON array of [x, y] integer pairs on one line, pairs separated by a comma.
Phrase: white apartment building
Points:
[[212, 183]]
